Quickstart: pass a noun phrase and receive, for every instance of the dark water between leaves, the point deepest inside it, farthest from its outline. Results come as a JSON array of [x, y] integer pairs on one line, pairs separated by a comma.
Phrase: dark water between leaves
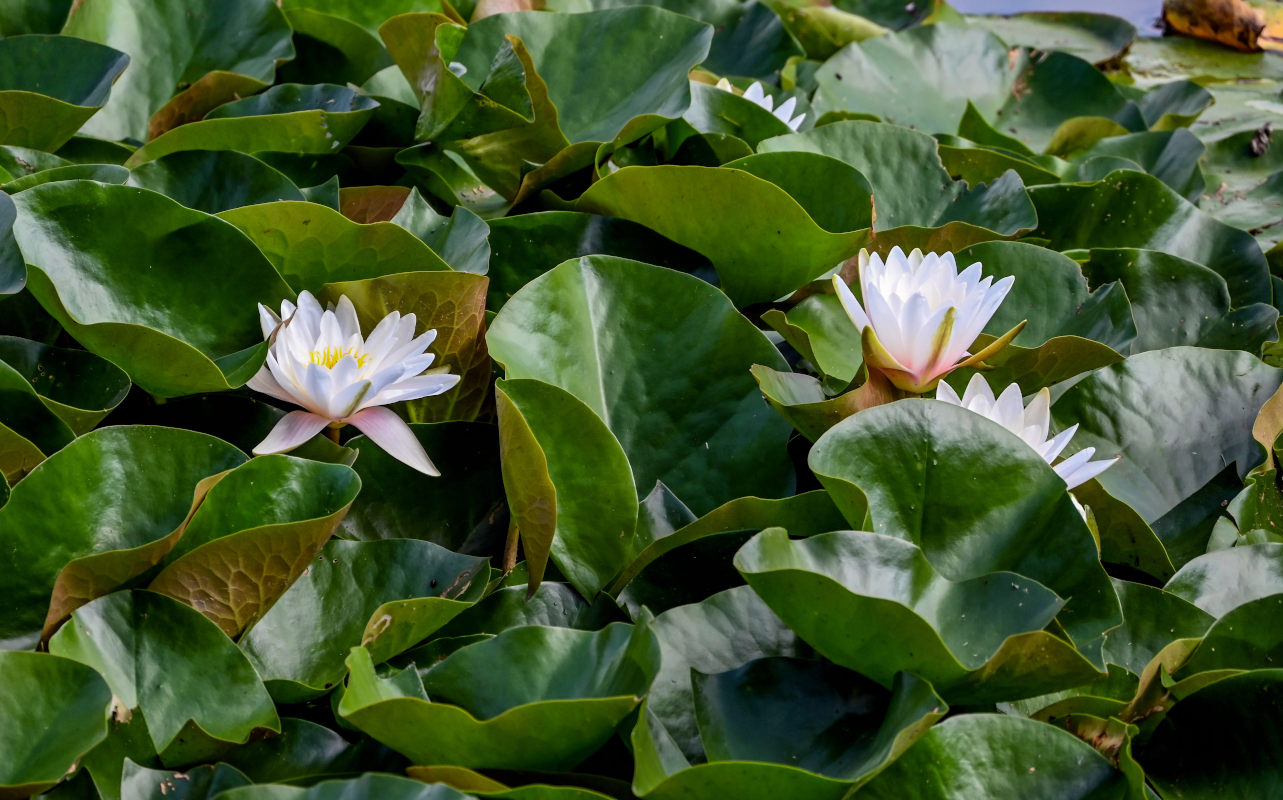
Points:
[[1144, 14]]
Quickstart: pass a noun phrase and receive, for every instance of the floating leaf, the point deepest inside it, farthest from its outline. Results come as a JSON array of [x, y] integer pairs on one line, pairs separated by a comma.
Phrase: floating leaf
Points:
[[676, 423], [42, 102], [214, 181], [133, 488], [125, 290], [386, 595], [162, 657], [55, 710]]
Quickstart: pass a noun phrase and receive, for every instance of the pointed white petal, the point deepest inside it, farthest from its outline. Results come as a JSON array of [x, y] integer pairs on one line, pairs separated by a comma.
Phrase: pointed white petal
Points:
[[420, 386], [850, 304], [291, 431]]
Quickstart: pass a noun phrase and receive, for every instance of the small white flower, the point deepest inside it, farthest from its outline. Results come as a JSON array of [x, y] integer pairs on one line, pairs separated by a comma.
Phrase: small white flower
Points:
[[319, 360], [758, 96], [1029, 423], [920, 315]]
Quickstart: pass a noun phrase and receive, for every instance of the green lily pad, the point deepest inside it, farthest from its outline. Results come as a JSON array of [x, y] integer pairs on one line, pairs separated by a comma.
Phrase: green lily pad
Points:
[[56, 710], [723, 632], [1154, 410], [828, 707], [214, 180], [762, 242], [141, 783], [749, 40], [1221, 581], [171, 334], [1178, 302], [910, 185], [674, 422], [911, 79], [365, 787], [253, 534], [311, 245], [568, 482], [1051, 293], [29, 430], [525, 246], [172, 45], [1220, 740], [1171, 156], [307, 749], [873, 603], [1092, 37], [1130, 209], [384, 595], [530, 698], [167, 660], [552, 604], [133, 488], [75, 385], [1152, 619], [975, 498], [43, 103], [290, 118], [714, 110], [332, 49], [994, 755]]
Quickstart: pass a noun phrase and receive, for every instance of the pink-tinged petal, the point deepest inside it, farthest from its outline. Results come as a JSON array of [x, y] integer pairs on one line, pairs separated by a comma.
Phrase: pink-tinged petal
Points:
[[390, 432], [850, 304], [264, 382], [294, 428]]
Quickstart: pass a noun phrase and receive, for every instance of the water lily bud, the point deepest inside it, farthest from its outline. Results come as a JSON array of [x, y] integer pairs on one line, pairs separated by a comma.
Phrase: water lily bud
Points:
[[1031, 423], [758, 96], [920, 315], [320, 361]]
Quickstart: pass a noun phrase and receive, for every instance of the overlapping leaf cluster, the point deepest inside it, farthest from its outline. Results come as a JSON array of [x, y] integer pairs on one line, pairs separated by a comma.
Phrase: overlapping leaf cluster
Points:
[[667, 557]]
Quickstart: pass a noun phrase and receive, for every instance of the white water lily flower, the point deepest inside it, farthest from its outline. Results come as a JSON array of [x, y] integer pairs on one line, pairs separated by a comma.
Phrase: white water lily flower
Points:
[[319, 360], [1030, 423], [920, 315], [758, 96]]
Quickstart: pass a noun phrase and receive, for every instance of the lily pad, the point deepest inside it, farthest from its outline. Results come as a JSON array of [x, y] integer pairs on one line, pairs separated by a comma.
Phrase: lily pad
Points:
[[675, 429], [289, 118], [56, 711], [530, 698], [1092, 37], [42, 102], [170, 45], [386, 595], [311, 245], [141, 643], [171, 334], [214, 180], [133, 488], [910, 184], [873, 603], [761, 240], [975, 498], [1153, 410], [254, 533], [977, 755], [1130, 209], [1221, 581]]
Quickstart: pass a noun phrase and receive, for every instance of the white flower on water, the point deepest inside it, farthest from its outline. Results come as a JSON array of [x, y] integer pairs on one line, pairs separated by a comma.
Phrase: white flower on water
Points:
[[758, 96], [1030, 423], [920, 315], [319, 360]]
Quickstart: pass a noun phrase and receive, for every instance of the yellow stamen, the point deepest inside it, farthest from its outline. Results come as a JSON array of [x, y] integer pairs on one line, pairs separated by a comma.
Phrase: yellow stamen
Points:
[[332, 355]]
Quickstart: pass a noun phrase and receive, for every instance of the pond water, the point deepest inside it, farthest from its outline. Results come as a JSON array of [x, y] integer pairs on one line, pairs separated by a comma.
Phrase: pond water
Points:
[[1144, 14]]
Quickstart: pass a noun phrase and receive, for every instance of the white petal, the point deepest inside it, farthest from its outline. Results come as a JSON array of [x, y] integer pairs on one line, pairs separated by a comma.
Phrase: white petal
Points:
[[1077, 469], [946, 394], [390, 432], [850, 304], [291, 431], [420, 386], [263, 381], [978, 393], [267, 320], [345, 312], [1052, 448], [785, 110]]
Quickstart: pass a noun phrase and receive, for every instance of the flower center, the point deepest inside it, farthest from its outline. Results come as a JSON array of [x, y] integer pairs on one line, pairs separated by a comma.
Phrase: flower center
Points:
[[332, 355]]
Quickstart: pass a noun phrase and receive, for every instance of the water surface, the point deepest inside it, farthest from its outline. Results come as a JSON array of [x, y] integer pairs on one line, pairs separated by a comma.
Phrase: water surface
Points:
[[1144, 14]]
